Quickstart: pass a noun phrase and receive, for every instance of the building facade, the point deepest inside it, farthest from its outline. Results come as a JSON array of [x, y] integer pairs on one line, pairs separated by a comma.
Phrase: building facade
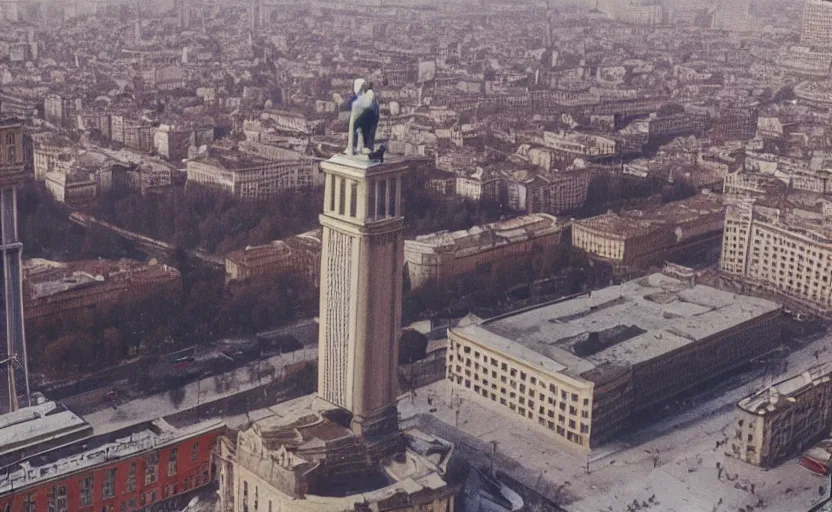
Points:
[[642, 238], [260, 180], [579, 369], [300, 255], [141, 468], [52, 288], [558, 193], [782, 246], [778, 422], [817, 24], [485, 250]]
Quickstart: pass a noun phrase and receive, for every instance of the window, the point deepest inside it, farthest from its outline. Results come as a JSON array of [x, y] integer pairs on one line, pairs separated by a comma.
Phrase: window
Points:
[[11, 155], [332, 193], [30, 502], [151, 470], [61, 501], [353, 198], [245, 496], [10, 139], [382, 199], [109, 489], [86, 491], [371, 200], [195, 452], [172, 455], [131, 478], [392, 208]]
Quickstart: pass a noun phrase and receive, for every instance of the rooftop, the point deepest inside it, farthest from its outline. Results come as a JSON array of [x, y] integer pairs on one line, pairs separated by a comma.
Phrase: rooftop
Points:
[[97, 451], [784, 393], [619, 326], [488, 236], [254, 254], [640, 222], [35, 425]]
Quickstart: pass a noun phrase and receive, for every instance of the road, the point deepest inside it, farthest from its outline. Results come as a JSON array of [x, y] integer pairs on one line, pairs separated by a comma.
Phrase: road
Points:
[[199, 392], [142, 242]]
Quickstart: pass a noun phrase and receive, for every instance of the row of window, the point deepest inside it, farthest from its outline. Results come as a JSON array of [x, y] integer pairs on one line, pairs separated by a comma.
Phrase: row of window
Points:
[[256, 502], [520, 392]]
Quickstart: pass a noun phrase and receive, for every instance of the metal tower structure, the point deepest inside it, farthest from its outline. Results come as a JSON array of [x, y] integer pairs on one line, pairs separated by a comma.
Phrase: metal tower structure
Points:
[[11, 177]]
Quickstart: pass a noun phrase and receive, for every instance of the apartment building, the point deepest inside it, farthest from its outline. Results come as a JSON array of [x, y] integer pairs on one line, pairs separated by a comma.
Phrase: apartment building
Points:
[[249, 177], [557, 193], [816, 31], [640, 238], [579, 369], [130, 469], [299, 254], [485, 250], [776, 423], [55, 288], [782, 245]]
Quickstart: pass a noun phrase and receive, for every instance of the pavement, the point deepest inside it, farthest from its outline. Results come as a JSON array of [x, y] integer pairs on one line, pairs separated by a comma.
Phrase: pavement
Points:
[[669, 465], [199, 392]]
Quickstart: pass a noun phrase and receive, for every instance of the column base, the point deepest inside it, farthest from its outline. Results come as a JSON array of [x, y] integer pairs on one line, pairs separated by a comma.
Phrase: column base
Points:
[[379, 425]]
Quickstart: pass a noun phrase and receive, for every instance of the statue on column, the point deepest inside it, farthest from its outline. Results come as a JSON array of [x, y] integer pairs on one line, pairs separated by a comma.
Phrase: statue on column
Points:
[[361, 110]]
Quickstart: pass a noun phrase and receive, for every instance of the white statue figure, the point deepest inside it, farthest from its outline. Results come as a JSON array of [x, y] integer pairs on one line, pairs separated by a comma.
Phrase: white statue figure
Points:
[[363, 115]]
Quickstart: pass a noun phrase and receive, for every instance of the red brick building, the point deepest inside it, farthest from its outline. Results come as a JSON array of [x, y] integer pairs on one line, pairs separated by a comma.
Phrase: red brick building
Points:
[[120, 472]]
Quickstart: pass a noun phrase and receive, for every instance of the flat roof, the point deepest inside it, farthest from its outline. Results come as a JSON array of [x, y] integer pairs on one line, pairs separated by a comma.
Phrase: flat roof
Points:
[[782, 394], [640, 222], [90, 453], [618, 326], [489, 236], [37, 424]]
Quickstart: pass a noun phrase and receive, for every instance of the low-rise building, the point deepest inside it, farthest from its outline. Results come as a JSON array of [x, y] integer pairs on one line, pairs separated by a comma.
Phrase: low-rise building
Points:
[[47, 425], [580, 368], [557, 192], [53, 288], [639, 238], [778, 422], [442, 257], [782, 245], [479, 185], [126, 470], [75, 188], [299, 255], [251, 178]]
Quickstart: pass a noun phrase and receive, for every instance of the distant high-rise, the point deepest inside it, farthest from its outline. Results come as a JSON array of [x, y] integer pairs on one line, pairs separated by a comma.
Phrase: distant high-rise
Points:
[[183, 14], [11, 176], [361, 291], [817, 24], [732, 15]]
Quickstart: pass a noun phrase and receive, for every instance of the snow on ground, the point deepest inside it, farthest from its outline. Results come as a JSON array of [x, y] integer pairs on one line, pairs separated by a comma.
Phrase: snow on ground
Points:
[[683, 449], [204, 391]]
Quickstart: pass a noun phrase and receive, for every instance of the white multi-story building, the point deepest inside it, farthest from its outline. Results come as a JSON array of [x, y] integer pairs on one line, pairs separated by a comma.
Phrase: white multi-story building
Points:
[[251, 178], [443, 256], [817, 24], [782, 246], [579, 369], [733, 16]]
